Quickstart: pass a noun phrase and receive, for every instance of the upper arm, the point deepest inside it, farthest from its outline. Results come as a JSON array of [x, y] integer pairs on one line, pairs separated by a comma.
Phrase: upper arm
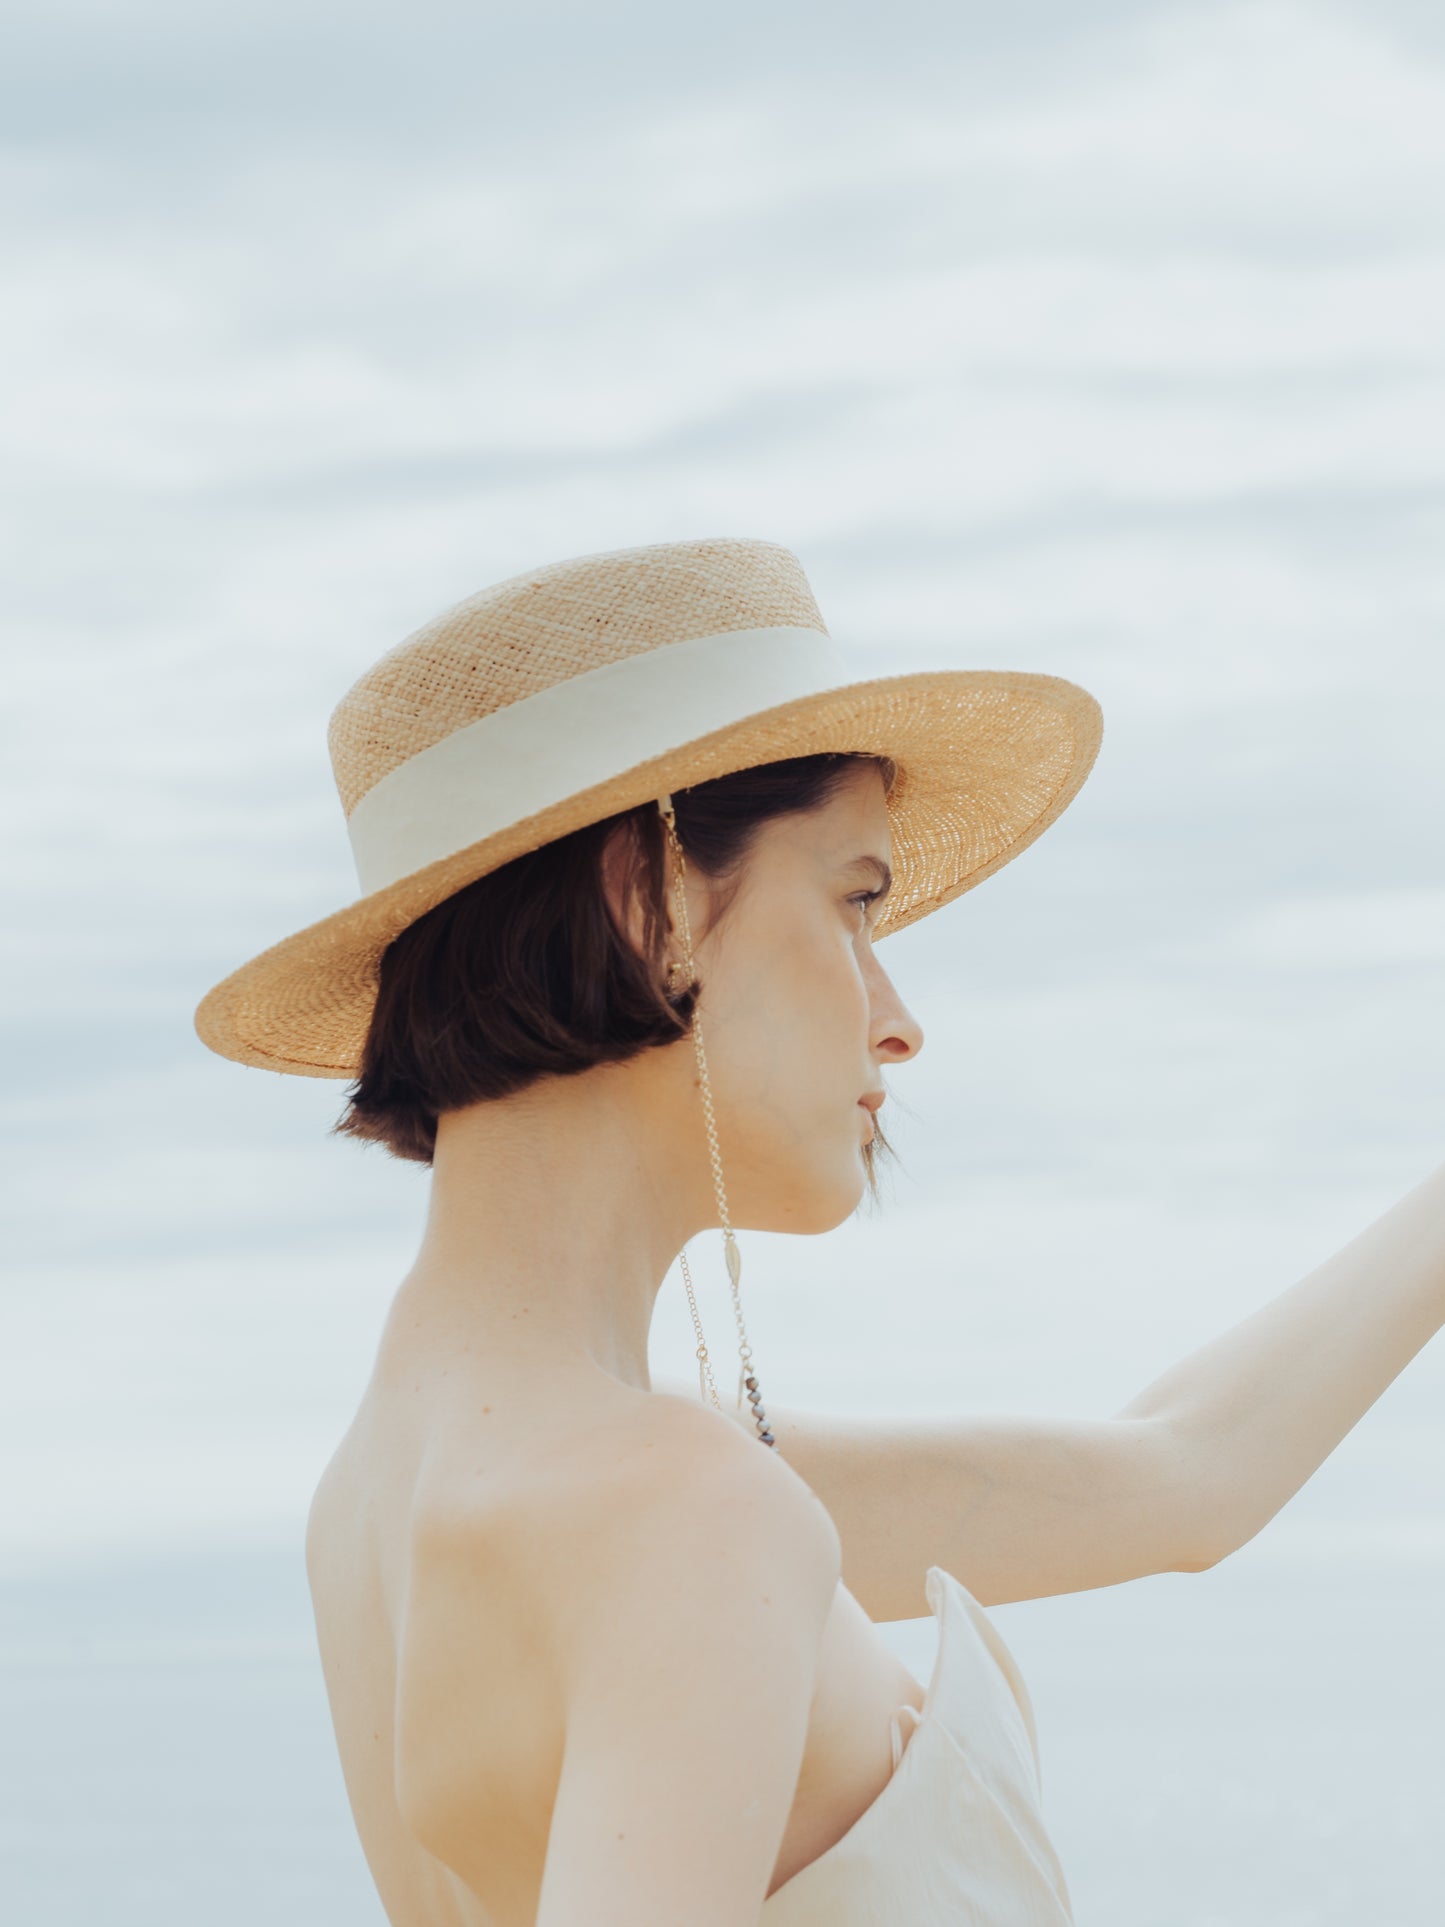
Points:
[[1015, 1507], [690, 1672]]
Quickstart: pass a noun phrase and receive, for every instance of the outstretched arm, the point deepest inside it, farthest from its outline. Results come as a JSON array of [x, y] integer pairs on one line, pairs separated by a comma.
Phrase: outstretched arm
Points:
[[1257, 1409], [1025, 1507]]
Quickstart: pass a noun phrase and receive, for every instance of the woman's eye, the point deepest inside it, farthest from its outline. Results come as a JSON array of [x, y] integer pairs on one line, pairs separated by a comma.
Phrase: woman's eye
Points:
[[864, 898]]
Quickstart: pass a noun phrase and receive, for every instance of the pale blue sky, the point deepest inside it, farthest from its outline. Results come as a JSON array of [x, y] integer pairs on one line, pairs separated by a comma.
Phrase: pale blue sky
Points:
[[1110, 351], [1105, 342]]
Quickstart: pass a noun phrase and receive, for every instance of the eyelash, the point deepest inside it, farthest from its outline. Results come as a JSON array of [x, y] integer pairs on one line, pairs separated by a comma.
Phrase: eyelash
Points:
[[865, 897]]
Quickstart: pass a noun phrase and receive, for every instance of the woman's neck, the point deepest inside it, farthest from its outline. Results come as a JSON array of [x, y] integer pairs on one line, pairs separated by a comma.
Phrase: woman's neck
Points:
[[554, 1217]]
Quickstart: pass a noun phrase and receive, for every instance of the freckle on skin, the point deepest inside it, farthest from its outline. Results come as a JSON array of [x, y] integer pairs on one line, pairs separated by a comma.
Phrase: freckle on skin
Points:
[[486, 1408]]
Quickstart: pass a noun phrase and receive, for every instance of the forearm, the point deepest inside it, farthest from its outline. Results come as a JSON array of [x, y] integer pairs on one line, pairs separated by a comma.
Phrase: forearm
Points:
[[1260, 1407]]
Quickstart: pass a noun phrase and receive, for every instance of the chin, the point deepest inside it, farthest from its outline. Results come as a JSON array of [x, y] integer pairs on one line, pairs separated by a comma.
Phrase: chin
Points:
[[830, 1204], [810, 1197]]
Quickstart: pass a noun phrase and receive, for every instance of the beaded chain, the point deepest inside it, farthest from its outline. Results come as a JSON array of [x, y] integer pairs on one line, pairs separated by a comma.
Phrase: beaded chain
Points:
[[746, 1377]]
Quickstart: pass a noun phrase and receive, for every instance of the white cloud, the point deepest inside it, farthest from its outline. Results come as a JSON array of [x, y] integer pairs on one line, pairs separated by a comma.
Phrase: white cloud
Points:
[[1124, 365], [1344, 930]]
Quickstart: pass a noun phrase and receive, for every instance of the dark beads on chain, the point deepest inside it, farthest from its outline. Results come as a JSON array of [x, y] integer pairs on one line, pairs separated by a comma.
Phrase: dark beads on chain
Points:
[[759, 1416]]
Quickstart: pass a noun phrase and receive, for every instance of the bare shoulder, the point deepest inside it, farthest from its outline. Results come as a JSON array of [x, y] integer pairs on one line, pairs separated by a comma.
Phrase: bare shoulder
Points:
[[667, 1454], [688, 1661], [648, 1490], [658, 1458], [658, 1567], [685, 1493]]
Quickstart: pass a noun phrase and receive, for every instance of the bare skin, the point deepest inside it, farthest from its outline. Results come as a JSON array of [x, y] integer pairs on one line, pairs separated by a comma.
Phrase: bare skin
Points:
[[593, 1653], [514, 1363]]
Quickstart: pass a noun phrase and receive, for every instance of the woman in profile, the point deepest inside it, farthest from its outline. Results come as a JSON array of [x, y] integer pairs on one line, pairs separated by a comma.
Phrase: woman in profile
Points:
[[602, 1651]]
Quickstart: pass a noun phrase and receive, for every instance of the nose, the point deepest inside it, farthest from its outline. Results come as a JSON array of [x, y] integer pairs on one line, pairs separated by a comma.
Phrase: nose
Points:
[[896, 1033]]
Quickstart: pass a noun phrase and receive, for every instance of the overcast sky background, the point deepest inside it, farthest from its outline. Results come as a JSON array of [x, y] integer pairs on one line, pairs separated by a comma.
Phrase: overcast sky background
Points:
[[1104, 342]]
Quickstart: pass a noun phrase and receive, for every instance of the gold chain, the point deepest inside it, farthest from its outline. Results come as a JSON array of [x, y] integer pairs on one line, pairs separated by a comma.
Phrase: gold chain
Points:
[[746, 1376]]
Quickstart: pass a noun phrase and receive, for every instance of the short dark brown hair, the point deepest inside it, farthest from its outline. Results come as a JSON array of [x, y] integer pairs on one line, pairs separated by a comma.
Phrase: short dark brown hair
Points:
[[525, 973]]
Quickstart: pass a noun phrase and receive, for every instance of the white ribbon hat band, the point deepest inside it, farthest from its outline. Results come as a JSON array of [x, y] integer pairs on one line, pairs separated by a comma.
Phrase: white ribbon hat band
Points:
[[537, 752]]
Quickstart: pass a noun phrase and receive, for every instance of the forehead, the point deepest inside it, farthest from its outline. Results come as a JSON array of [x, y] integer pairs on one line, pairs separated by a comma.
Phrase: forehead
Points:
[[850, 832]]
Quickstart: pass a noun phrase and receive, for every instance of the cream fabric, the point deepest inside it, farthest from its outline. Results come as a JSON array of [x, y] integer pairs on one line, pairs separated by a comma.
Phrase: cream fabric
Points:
[[956, 1838], [534, 753]]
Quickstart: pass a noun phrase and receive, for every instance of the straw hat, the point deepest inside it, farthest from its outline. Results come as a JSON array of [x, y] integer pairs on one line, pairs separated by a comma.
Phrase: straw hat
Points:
[[585, 687]]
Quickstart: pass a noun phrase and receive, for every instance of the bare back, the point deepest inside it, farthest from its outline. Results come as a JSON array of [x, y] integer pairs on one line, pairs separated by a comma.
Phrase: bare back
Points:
[[447, 1441]]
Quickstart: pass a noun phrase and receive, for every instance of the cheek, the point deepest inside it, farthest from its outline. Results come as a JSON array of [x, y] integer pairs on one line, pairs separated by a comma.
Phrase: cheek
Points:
[[795, 1020], [832, 986], [814, 1033]]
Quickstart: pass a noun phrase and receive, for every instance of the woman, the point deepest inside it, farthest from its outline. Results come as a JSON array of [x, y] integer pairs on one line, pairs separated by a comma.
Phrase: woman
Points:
[[627, 839]]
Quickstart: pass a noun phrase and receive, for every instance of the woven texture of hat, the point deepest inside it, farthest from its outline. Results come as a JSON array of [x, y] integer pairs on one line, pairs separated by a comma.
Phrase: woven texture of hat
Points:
[[985, 760], [533, 630]]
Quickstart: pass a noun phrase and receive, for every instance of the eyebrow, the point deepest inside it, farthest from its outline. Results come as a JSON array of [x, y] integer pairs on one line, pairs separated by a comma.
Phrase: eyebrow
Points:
[[875, 867]]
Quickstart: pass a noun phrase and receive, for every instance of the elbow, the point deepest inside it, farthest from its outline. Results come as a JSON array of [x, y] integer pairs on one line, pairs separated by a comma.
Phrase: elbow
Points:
[[1197, 1562], [1199, 1557]]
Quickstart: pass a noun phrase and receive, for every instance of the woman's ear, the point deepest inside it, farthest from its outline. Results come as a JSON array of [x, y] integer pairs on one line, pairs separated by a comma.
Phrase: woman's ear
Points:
[[622, 865]]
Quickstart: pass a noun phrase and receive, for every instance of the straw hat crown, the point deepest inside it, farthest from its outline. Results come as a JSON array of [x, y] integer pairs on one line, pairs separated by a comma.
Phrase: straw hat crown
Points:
[[534, 630]]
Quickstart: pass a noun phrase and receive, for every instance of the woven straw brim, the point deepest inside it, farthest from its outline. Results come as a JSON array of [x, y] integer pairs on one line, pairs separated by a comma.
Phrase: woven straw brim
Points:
[[987, 759]]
